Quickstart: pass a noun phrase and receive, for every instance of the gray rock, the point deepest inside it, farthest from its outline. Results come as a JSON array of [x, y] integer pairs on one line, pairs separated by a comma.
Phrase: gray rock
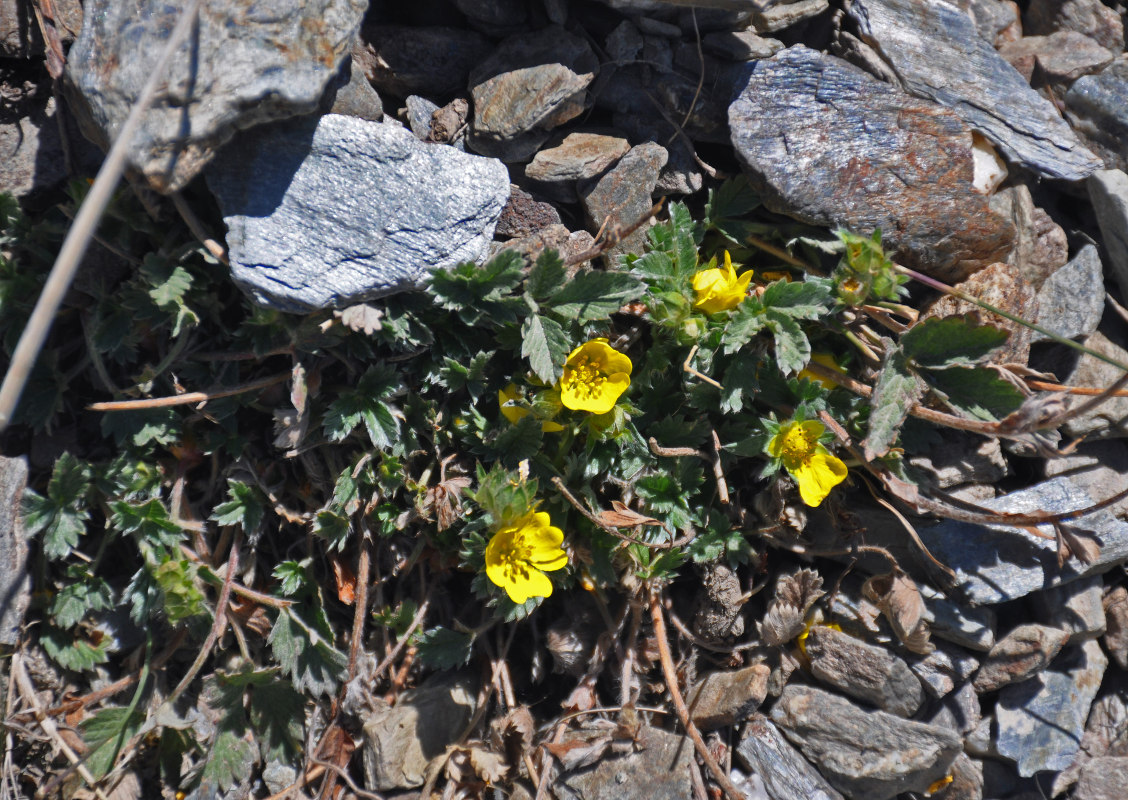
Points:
[[1041, 246], [864, 754], [1090, 17], [401, 740], [556, 171], [966, 783], [419, 111], [625, 42], [357, 98], [784, 771], [739, 45], [866, 672], [1099, 468], [532, 83], [778, 16], [494, 16], [1002, 563], [1071, 302], [1108, 190], [961, 458], [682, 174], [300, 240], [968, 626], [524, 216], [991, 17], [1116, 626], [1041, 720], [1103, 779], [1110, 418], [1075, 608], [944, 669], [1021, 654], [953, 66], [15, 587], [431, 61], [31, 151], [225, 78], [1106, 734], [1062, 57], [959, 710], [659, 770], [1097, 106], [828, 144], [623, 196], [727, 698]]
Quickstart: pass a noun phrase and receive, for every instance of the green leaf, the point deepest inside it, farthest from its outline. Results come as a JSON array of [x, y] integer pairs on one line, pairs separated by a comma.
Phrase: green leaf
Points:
[[106, 733], [70, 480], [60, 516], [70, 651], [142, 427], [747, 321], [480, 293], [733, 198], [231, 760], [546, 346], [443, 648], [656, 267], [976, 392], [304, 653], [245, 507], [333, 528], [792, 350], [148, 521], [687, 235], [169, 285], [897, 389], [277, 712], [366, 404], [808, 299], [292, 575], [176, 576], [84, 593], [546, 276], [595, 295], [935, 343]]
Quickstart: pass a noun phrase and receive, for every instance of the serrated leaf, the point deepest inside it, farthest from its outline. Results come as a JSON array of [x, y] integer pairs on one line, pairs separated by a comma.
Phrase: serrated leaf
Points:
[[230, 761], [332, 527], [935, 343], [546, 346], [687, 234], [546, 276], [277, 711], [366, 404], [142, 426], [84, 593], [70, 479], [747, 321], [976, 392], [792, 349], [809, 299], [292, 575], [312, 663], [243, 508], [595, 295], [106, 733], [182, 596], [656, 266], [148, 521], [71, 651], [443, 648], [897, 389], [733, 198]]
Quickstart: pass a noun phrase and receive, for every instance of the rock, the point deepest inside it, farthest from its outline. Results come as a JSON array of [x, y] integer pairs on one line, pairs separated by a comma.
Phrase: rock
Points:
[[1041, 720], [658, 770], [622, 196], [625, 43], [681, 175], [524, 216], [556, 171], [298, 238], [956, 68], [15, 587], [967, 781], [864, 754], [1002, 563], [959, 711], [991, 18], [829, 145], [967, 626], [1021, 654], [1116, 625], [866, 672], [1071, 302], [777, 16], [1097, 106], [557, 237], [961, 458], [357, 98], [532, 83], [786, 774], [401, 740], [1099, 468], [944, 669], [19, 30], [739, 45], [31, 150], [1075, 608], [1106, 734], [1110, 418], [1103, 779], [226, 78], [494, 16], [728, 698], [1108, 190], [419, 111], [1090, 17], [718, 616], [1041, 246], [1062, 57], [432, 61]]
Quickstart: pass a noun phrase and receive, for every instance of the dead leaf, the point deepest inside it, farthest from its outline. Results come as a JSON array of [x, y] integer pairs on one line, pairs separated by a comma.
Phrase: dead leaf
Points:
[[624, 517], [488, 765], [361, 317], [514, 732], [577, 753], [444, 500], [794, 596], [290, 424], [1078, 542], [582, 698], [346, 580], [897, 596]]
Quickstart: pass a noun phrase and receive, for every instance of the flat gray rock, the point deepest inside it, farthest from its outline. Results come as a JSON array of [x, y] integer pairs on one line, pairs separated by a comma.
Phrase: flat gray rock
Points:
[[1090, 17], [659, 770], [1041, 720], [944, 669], [729, 697], [271, 65], [623, 195], [828, 144], [581, 156], [1097, 105], [31, 151], [936, 53], [968, 626], [1108, 190], [1021, 654], [1103, 779], [15, 587], [784, 771], [864, 754], [1071, 301], [1075, 608], [1001, 563], [1110, 418], [407, 59], [330, 212], [864, 671]]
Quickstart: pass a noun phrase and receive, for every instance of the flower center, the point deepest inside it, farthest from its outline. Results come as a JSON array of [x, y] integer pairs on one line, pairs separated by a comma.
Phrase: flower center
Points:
[[798, 444], [585, 378], [515, 560]]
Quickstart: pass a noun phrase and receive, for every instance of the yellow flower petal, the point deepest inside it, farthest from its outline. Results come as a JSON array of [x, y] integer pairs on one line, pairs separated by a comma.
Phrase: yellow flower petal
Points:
[[595, 376], [529, 583], [720, 289], [817, 475], [518, 555], [507, 399]]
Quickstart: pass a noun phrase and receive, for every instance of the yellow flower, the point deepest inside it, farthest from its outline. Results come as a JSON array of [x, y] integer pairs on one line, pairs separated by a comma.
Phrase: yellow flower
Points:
[[814, 468], [518, 555], [508, 399], [720, 289], [827, 360], [595, 374]]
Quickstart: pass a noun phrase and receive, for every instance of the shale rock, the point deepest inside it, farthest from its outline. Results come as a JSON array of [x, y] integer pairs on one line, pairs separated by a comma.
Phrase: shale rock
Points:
[[224, 78], [1071, 303], [556, 171], [726, 698], [1110, 418], [864, 671], [300, 240], [1097, 105], [15, 588], [1108, 190], [623, 196], [658, 770], [432, 61], [1090, 17], [1021, 654], [786, 774]]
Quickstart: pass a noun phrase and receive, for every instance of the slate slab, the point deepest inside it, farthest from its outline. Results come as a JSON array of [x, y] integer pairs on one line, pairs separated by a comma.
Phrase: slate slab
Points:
[[996, 564], [1041, 720], [1110, 418], [784, 771], [828, 144], [330, 212], [1071, 302], [864, 671], [244, 65], [659, 770], [623, 195], [936, 53], [1097, 105], [1108, 191], [427, 60]]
